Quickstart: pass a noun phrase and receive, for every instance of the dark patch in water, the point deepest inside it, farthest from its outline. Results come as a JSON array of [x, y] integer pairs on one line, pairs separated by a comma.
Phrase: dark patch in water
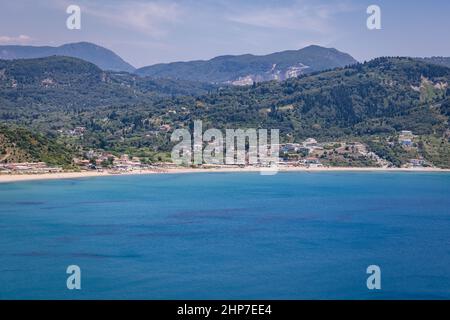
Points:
[[347, 217], [56, 207], [98, 225], [245, 230], [101, 256], [208, 214], [78, 255], [66, 239], [102, 201], [168, 234], [104, 233], [287, 218], [11, 270], [34, 254], [29, 203]]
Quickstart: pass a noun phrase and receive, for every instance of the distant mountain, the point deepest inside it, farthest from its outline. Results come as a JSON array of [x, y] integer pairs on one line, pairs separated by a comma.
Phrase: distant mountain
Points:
[[442, 61], [246, 69], [61, 82], [237, 70], [100, 56]]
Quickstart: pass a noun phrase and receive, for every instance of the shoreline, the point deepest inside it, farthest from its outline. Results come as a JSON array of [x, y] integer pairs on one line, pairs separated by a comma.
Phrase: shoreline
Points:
[[8, 178]]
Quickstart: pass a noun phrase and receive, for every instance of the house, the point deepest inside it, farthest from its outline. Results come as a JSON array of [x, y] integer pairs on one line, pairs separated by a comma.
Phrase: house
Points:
[[79, 130], [417, 162], [311, 162], [310, 142], [90, 154], [152, 133], [303, 150], [81, 162], [447, 134], [290, 147], [165, 128], [406, 133], [406, 142]]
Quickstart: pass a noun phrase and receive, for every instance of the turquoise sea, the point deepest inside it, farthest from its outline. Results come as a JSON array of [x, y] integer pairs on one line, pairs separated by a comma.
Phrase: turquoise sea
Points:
[[227, 236]]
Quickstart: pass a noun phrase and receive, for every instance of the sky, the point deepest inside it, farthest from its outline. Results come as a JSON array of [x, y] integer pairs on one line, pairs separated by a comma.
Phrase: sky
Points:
[[149, 32]]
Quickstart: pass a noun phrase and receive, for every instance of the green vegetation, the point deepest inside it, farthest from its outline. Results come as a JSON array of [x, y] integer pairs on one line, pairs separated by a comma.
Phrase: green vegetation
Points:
[[20, 145], [393, 152], [436, 150], [443, 61], [123, 113]]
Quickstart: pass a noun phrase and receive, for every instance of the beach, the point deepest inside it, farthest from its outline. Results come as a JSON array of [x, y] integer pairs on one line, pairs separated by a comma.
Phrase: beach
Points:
[[9, 178]]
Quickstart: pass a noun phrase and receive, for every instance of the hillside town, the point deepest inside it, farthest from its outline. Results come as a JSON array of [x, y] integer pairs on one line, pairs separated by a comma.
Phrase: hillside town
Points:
[[307, 154]]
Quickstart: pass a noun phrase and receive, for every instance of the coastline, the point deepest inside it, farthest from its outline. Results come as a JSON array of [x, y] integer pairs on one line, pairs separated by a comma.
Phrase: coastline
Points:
[[9, 178]]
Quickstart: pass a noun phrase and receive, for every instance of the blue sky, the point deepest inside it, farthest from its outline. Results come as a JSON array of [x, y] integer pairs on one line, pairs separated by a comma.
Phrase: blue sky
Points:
[[148, 32]]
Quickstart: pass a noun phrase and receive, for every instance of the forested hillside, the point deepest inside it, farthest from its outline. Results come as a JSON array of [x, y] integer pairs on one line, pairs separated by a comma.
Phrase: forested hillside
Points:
[[124, 112], [68, 84], [21, 145]]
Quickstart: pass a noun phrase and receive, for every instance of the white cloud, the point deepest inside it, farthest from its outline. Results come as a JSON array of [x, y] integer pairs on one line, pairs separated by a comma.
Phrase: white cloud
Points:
[[154, 18], [19, 39], [300, 16]]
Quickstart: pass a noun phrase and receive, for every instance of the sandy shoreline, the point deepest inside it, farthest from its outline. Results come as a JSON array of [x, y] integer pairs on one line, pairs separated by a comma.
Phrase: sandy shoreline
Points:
[[7, 178]]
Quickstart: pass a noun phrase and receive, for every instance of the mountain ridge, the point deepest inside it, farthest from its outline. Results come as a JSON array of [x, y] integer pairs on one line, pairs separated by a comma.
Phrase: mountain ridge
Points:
[[369, 102], [104, 58], [248, 68], [439, 60]]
